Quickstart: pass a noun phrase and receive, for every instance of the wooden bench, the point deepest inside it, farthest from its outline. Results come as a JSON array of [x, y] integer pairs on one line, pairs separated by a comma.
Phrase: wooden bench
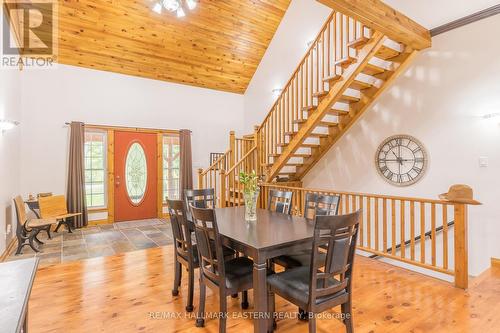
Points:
[[54, 207]]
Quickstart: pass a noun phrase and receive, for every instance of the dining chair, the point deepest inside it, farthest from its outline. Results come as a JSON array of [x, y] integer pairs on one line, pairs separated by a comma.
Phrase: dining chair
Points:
[[228, 277], [280, 201], [320, 204], [186, 253], [200, 198], [315, 204], [28, 229], [327, 282]]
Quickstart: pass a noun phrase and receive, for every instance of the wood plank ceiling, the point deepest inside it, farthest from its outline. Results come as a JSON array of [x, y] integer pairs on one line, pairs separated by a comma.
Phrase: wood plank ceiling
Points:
[[218, 45]]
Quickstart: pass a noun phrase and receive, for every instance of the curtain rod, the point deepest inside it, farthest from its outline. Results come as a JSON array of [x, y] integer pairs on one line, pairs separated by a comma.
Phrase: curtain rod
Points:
[[129, 128]]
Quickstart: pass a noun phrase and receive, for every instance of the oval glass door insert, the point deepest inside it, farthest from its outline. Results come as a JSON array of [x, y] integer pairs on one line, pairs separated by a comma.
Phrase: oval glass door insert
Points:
[[136, 173]]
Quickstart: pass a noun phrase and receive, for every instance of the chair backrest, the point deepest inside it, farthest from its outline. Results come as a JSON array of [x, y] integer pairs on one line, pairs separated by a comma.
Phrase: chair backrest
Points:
[[211, 259], [280, 201], [180, 228], [337, 235], [22, 217], [52, 206], [202, 198], [321, 204]]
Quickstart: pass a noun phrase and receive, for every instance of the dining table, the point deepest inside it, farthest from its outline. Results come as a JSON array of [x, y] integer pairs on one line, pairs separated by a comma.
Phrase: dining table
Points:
[[271, 235]]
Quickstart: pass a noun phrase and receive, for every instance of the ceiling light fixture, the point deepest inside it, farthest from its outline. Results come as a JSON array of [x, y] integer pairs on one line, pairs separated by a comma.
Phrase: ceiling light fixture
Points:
[[177, 6]]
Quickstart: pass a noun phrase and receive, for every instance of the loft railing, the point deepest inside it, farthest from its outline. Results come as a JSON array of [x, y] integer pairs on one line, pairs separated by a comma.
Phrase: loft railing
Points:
[[309, 79], [390, 220]]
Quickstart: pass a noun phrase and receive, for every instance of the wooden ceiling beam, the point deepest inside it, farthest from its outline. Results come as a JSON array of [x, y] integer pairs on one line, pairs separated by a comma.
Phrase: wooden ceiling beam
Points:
[[380, 17]]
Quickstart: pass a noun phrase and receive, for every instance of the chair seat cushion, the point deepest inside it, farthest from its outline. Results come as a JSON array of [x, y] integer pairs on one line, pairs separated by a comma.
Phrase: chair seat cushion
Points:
[[298, 259], [293, 285], [239, 274]]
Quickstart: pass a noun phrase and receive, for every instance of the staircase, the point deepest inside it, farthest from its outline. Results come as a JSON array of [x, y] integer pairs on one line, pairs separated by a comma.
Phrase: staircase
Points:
[[342, 73], [346, 68]]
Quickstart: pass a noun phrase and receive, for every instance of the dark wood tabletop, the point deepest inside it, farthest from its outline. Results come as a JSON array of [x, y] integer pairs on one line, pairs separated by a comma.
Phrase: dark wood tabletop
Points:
[[273, 234], [16, 280]]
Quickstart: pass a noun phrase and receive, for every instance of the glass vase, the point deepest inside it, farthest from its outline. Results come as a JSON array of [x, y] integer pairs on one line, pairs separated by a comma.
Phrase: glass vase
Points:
[[251, 205]]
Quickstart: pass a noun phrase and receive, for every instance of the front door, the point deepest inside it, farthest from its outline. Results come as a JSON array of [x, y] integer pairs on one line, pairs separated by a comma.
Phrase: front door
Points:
[[135, 176]]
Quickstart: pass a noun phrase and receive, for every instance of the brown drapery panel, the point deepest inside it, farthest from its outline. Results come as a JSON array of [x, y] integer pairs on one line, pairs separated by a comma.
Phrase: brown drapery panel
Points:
[[76, 175], [186, 171]]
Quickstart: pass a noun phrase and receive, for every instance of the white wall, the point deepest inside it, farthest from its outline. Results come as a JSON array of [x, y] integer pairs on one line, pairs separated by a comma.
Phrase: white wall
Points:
[[10, 108], [440, 100], [53, 97], [301, 24]]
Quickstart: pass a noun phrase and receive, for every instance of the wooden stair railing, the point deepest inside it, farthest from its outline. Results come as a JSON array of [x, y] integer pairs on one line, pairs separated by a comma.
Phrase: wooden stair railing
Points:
[[344, 70], [238, 147], [231, 190], [388, 221]]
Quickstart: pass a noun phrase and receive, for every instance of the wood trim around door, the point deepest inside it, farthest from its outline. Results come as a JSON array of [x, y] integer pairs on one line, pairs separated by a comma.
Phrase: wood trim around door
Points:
[[110, 131], [111, 176], [159, 179]]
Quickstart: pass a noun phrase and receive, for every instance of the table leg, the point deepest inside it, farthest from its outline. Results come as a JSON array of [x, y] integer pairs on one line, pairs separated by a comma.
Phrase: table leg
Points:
[[260, 296]]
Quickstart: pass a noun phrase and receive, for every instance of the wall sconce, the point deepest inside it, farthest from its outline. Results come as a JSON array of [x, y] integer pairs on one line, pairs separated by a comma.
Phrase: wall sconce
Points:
[[6, 125], [491, 115]]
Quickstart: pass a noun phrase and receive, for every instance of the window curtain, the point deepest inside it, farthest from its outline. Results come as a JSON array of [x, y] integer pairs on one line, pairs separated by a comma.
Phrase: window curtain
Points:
[[186, 162], [76, 175]]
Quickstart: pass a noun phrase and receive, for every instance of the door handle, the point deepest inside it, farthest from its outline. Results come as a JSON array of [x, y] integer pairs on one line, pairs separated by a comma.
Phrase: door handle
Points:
[[117, 182]]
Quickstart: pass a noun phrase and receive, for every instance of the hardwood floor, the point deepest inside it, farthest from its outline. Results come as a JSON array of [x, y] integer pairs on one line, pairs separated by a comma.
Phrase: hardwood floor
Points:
[[131, 292]]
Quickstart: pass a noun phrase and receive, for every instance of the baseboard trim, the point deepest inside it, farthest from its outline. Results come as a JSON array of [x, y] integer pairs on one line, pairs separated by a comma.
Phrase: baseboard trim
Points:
[[481, 15], [495, 262], [9, 248], [98, 222]]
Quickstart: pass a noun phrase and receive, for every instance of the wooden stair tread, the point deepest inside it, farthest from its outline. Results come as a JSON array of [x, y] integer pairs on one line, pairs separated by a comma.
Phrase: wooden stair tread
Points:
[[371, 69], [359, 43], [309, 145], [337, 112], [386, 53], [345, 62], [308, 108], [332, 78], [322, 123], [311, 135], [320, 94], [294, 164], [301, 155], [360, 85], [349, 99]]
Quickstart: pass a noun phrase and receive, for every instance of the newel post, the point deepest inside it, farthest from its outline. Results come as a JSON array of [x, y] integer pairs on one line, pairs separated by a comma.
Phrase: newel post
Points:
[[258, 148], [461, 246], [200, 178], [222, 174], [232, 148]]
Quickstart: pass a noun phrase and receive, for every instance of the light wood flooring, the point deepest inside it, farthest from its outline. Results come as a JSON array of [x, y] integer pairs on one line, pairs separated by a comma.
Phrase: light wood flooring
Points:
[[131, 292]]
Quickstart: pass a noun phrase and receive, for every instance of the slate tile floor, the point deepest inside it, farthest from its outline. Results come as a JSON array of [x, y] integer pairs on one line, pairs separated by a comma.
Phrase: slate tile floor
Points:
[[99, 241]]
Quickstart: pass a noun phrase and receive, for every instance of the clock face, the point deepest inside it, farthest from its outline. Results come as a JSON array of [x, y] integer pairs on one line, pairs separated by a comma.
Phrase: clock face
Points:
[[401, 160]]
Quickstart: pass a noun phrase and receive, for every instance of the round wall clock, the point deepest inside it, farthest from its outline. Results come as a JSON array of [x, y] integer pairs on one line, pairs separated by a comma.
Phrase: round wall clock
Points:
[[401, 160]]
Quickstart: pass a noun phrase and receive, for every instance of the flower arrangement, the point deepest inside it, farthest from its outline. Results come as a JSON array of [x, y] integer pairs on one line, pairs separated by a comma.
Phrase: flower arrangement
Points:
[[251, 191], [250, 181]]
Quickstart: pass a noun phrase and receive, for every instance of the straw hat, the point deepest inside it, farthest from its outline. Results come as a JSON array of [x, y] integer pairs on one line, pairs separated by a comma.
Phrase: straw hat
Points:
[[460, 193]]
